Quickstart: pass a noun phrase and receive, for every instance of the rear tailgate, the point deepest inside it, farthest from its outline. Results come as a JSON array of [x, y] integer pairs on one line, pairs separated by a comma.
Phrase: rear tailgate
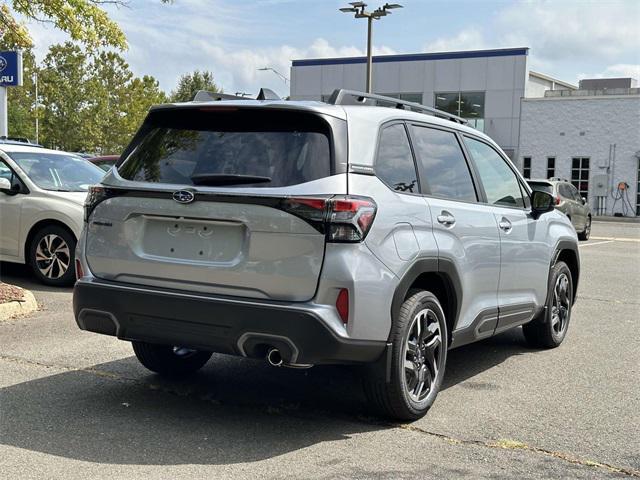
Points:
[[216, 235]]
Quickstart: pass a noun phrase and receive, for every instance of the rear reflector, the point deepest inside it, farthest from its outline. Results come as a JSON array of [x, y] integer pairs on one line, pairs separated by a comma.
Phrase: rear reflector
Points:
[[342, 305]]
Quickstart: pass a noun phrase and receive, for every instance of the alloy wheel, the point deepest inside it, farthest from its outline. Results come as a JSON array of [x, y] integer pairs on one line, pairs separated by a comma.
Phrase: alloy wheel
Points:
[[422, 354], [53, 256], [561, 305]]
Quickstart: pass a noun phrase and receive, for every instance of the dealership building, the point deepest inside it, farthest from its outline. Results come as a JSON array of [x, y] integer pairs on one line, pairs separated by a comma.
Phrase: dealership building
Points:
[[520, 109]]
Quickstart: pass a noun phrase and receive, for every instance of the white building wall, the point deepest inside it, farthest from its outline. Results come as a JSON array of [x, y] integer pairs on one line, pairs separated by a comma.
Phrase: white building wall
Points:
[[584, 127]]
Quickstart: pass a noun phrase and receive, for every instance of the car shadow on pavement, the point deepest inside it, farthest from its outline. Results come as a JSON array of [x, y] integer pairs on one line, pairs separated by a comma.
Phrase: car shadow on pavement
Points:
[[234, 410], [22, 276]]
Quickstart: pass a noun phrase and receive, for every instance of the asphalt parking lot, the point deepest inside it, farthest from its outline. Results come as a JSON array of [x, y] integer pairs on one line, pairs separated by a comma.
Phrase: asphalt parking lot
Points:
[[78, 405]]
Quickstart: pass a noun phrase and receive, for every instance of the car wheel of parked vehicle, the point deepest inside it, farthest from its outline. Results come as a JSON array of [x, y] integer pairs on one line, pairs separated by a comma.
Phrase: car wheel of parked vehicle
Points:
[[52, 256], [418, 357], [584, 235], [550, 327], [169, 360]]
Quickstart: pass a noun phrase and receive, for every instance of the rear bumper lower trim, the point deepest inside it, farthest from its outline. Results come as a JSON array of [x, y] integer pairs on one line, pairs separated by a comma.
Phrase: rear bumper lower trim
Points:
[[220, 324]]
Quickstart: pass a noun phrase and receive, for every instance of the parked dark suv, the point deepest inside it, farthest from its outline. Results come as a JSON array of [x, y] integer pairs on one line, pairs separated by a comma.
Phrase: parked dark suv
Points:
[[569, 202]]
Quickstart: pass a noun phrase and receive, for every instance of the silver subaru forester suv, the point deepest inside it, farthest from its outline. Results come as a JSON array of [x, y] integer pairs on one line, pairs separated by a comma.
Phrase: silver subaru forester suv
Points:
[[312, 233]]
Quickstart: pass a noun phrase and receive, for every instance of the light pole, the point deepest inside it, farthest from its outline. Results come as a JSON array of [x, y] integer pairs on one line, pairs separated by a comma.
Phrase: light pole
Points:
[[359, 9], [266, 69]]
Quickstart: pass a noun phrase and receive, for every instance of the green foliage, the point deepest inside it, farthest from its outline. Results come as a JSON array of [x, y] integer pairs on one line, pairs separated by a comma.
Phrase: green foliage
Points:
[[84, 20], [189, 84]]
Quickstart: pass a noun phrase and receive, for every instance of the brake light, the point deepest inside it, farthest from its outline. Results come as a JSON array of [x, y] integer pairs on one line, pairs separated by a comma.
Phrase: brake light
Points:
[[342, 305], [342, 218], [557, 199]]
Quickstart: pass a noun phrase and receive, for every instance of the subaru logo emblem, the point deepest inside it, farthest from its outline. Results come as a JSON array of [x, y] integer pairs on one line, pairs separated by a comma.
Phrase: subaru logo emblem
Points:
[[3, 64], [183, 196]]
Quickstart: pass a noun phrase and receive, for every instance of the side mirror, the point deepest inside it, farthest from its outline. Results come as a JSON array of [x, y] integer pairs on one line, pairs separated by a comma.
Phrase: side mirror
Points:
[[5, 185], [541, 202]]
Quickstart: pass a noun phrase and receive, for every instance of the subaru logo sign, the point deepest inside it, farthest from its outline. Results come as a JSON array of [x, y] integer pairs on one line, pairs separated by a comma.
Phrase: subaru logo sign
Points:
[[3, 64], [183, 196]]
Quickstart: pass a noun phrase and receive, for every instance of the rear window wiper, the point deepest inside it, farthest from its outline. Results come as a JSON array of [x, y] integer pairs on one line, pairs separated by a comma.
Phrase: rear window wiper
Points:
[[215, 179]]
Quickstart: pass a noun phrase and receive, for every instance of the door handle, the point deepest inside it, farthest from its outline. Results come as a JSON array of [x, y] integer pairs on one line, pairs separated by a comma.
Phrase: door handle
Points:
[[505, 225], [446, 219]]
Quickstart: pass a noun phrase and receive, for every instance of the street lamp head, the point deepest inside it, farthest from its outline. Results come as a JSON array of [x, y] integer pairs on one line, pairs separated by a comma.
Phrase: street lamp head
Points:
[[358, 4], [391, 6], [349, 10]]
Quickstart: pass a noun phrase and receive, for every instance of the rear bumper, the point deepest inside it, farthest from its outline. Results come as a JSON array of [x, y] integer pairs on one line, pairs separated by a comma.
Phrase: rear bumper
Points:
[[219, 324]]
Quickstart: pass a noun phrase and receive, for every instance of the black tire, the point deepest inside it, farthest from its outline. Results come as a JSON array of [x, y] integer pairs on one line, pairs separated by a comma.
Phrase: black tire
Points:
[[168, 360], [395, 398], [47, 265], [586, 233], [549, 329]]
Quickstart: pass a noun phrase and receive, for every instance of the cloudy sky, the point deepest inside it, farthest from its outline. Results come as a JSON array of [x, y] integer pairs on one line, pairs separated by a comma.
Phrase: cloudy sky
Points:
[[569, 39]]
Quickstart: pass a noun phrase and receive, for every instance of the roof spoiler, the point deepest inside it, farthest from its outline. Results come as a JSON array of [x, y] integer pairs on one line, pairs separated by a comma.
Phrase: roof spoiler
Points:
[[206, 96]]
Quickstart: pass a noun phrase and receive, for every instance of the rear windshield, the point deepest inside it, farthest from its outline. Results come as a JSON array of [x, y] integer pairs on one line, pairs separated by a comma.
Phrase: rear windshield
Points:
[[542, 187], [226, 146]]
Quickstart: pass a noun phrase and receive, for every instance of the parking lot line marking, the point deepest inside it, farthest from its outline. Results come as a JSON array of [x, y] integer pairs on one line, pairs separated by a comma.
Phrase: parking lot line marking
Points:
[[617, 239], [596, 243]]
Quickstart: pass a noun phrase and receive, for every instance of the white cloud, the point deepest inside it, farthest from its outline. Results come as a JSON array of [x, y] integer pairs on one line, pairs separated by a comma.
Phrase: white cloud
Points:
[[572, 28], [618, 70], [468, 39]]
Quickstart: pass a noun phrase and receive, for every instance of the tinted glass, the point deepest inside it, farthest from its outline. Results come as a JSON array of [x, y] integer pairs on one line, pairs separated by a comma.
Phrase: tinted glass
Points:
[[542, 187], [442, 164], [230, 148], [500, 183], [564, 191], [394, 165], [58, 172]]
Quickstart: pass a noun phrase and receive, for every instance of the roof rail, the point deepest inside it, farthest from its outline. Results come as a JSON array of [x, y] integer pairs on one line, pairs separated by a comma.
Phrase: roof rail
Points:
[[338, 97], [206, 96]]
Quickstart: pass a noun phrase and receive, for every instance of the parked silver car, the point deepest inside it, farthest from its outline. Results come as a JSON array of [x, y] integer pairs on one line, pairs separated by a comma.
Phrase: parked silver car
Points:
[[569, 202], [309, 233]]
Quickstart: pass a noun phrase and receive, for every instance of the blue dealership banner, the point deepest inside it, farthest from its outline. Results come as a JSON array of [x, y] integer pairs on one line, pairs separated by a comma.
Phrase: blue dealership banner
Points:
[[10, 69]]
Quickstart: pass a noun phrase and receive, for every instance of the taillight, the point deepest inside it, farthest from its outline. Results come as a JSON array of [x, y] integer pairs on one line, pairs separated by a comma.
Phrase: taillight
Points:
[[342, 218], [557, 199], [79, 271], [342, 305], [96, 195]]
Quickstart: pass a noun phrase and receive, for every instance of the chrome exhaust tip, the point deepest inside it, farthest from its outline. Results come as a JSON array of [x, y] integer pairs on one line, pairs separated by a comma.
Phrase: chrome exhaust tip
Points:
[[274, 358]]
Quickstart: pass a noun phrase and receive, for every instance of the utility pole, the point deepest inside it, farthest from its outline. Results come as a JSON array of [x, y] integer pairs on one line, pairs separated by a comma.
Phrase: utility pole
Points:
[[358, 8]]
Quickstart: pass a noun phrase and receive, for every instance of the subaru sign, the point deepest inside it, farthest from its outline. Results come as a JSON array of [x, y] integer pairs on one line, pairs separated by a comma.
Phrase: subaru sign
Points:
[[10, 69]]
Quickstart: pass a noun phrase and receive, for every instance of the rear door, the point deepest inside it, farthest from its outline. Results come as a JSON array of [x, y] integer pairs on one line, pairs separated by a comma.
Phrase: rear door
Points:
[[465, 230], [525, 255], [221, 200], [580, 208]]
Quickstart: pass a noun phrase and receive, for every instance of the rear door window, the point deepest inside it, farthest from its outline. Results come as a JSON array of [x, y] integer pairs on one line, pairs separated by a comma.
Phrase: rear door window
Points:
[[443, 167], [394, 164], [230, 147]]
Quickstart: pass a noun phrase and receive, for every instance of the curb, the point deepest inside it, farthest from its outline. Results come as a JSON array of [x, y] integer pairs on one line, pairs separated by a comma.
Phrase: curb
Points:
[[18, 307]]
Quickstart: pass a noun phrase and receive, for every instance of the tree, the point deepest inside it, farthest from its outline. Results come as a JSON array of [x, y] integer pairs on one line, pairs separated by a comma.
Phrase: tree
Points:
[[92, 102], [189, 84], [84, 20]]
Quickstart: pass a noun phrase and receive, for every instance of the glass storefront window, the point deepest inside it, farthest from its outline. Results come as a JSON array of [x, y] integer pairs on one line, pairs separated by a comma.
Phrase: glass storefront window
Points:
[[468, 105]]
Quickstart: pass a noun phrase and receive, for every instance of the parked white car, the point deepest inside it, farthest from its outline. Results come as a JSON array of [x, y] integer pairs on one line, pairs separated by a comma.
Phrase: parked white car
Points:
[[42, 208]]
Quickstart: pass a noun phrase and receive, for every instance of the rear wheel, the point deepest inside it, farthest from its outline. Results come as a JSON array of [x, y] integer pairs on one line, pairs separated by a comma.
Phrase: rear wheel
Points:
[[52, 256], [584, 235], [550, 327], [418, 357], [169, 360]]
